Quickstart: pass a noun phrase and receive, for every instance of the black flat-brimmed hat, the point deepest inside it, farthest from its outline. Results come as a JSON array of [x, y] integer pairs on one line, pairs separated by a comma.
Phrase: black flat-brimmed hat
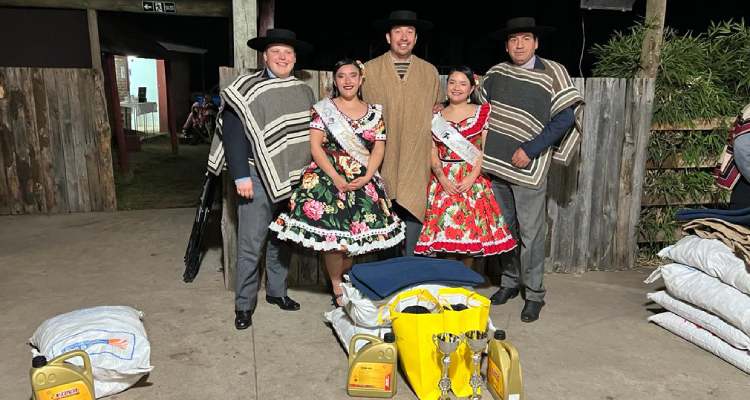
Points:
[[521, 24], [282, 36], [402, 18]]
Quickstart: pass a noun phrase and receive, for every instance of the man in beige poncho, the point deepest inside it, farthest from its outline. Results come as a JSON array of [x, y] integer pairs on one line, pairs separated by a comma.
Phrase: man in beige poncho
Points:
[[408, 88]]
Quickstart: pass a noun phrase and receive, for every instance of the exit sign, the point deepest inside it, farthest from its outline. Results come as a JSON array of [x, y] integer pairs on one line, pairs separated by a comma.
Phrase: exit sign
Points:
[[159, 6]]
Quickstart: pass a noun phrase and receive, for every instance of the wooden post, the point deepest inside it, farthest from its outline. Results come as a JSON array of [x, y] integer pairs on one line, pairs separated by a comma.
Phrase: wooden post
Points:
[[245, 27], [651, 50], [119, 132], [171, 122], [96, 52], [267, 11]]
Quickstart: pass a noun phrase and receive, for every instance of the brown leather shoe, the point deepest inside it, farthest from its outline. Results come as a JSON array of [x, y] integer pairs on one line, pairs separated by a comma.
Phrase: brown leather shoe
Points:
[[284, 303]]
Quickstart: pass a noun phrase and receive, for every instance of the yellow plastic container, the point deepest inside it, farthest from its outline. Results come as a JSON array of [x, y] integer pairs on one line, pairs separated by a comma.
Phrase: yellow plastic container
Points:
[[504, 377], [57, 379], [372, 369]]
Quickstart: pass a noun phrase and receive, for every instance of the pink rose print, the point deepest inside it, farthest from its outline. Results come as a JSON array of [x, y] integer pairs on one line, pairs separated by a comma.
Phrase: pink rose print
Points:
[[370, 191], [313, 209], [369, 136], [330, 237], [359, 227], [341, 196]]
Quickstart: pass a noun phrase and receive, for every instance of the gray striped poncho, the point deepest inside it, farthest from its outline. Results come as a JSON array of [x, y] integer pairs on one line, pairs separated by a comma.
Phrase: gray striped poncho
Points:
[[275, 114], [523, 102]]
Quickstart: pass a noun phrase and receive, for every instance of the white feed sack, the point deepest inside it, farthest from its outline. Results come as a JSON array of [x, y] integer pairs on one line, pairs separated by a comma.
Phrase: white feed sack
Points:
[[112, 336], [709, 293], [712, 257], [703, 339], [707, 321]]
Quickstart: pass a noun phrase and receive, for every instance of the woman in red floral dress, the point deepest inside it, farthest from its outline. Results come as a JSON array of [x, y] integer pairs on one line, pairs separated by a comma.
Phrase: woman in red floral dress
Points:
[[462, 216]]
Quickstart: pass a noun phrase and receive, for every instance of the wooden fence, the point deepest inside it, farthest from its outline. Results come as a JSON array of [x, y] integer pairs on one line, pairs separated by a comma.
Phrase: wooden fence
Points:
[[593, 204], [54, 142]]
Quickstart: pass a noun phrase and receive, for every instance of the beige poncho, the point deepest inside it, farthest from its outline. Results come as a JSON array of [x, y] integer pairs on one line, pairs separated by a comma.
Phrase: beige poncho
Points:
[[407, 110]]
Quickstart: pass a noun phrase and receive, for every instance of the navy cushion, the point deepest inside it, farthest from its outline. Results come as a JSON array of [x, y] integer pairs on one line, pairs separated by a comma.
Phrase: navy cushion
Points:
[[739, 217], [380, 279]]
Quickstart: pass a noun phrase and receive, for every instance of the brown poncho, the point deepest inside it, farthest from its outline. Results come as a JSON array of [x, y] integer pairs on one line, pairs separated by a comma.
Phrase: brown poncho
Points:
[[407, 110]]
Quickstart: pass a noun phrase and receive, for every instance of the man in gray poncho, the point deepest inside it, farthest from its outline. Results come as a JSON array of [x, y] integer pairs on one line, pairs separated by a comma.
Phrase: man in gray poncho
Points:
[[264, 134], [534, 120]]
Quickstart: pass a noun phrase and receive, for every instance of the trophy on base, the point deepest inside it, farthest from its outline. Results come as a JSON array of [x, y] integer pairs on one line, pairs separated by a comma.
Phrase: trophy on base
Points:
[[446, 343], [477, 342]]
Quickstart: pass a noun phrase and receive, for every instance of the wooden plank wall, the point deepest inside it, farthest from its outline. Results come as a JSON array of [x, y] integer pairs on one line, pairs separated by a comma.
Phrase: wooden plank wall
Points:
[[593, 204], [54, 142]]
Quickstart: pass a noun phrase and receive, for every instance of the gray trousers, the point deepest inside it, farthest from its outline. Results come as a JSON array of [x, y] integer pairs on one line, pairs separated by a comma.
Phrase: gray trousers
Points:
[[253, 217], [413, 228], [525, 268]]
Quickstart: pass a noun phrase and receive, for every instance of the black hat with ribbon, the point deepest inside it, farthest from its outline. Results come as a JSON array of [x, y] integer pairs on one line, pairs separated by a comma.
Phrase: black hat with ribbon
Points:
[[280, 36], [521, 24], [402, 18]]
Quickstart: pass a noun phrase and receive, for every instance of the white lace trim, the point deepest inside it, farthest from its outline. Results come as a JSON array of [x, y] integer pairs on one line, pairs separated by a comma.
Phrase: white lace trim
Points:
[[344, 234], [352, 246], [430, 251]]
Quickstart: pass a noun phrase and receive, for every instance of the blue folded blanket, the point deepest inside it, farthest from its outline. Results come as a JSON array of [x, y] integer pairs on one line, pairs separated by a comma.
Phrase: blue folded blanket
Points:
[[380, 279], [739, 217]]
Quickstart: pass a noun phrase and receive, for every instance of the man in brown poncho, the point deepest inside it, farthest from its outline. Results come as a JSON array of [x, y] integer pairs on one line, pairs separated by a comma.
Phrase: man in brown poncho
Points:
[[408, 88]]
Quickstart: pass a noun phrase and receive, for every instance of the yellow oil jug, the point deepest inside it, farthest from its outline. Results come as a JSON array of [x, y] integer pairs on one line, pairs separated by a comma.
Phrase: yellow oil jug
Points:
[[504, 378], [56, 379], [372, 369]]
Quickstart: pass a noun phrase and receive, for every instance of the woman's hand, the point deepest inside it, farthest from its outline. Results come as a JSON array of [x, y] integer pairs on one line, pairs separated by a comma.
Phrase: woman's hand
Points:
[[359, 183], [466, 183], [448, 186], [341, 184]]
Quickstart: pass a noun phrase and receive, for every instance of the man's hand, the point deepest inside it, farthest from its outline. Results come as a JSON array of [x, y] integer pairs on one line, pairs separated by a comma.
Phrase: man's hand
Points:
[[245, 188], [520, 159], [437, 108]]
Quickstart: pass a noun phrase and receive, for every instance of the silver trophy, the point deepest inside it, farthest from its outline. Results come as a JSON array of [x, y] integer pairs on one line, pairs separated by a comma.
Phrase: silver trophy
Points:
[[446, 343], [477, 342]]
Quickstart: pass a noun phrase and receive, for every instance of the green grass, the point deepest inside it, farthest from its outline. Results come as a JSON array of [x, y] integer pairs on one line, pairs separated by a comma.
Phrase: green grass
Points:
[[160, 179]]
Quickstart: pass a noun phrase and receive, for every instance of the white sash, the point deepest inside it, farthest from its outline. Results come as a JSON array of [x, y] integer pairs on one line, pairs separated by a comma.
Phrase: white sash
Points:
[[342, 131], [454, 140]]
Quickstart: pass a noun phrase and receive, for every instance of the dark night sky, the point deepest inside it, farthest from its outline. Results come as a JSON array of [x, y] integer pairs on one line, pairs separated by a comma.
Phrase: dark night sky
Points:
[[337, 29], [461, 32]]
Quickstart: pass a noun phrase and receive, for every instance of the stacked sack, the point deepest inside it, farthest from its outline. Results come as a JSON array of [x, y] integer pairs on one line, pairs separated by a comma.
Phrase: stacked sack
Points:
[[707, 298]]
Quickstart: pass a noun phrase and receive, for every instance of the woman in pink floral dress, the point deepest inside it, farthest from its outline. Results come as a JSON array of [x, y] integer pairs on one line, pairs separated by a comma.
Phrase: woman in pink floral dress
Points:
[[462, 216], [341, 207]]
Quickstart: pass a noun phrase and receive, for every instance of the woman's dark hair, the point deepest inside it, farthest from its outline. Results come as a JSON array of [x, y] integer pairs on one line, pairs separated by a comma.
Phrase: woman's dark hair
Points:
[[336, 67], [469, 75]]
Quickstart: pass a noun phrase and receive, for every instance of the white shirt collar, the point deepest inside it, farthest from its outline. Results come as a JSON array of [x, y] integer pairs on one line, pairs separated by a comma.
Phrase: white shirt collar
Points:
[[529, 64]]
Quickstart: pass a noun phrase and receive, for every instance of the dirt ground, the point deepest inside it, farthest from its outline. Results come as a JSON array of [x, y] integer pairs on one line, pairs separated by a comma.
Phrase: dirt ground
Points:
[[592, 341], [160, 179]]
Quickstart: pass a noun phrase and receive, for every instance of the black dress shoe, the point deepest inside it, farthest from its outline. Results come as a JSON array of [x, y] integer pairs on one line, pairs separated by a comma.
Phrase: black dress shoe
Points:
[[503, 295], [531, 310], [284, 303], [243, 319]]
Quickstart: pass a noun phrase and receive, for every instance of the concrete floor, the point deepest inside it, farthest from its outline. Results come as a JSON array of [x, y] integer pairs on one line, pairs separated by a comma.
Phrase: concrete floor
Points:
[[592, 342]]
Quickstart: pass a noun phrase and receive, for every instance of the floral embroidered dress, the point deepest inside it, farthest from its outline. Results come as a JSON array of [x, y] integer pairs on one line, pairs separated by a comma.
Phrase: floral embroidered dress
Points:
[[470, 222], [324, 219]]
